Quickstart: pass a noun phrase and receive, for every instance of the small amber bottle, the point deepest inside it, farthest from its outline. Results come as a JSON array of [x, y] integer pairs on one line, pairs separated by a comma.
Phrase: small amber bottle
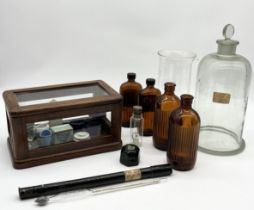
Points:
[[147, 99], [130, 92], [184, 125], [166, 103]]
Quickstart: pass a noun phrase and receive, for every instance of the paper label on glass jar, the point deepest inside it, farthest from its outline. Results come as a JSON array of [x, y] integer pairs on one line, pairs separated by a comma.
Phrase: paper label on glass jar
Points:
[[222, 98]]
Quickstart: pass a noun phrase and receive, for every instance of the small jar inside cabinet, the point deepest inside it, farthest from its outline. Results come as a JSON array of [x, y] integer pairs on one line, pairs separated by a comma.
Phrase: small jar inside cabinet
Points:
[[59, 122]]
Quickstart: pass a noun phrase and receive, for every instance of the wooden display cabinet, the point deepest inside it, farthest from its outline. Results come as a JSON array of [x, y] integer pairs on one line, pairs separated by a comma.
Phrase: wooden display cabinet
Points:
[[59, 122]]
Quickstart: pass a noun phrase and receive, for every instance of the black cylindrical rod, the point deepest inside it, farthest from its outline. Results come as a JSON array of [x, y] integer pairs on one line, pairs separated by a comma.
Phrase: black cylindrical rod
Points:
[[95, 181]]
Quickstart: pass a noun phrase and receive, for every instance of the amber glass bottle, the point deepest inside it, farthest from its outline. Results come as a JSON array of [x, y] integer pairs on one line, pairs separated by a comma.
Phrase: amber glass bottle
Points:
[[184, 125], [147, 99], [130, 92], [166, 103]]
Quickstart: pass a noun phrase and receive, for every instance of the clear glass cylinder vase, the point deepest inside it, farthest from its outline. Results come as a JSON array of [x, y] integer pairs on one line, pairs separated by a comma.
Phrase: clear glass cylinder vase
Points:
[[176, 66]]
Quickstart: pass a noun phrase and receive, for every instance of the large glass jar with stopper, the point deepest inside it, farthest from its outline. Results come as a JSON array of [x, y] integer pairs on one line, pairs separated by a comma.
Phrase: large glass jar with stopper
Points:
[[223, 82]]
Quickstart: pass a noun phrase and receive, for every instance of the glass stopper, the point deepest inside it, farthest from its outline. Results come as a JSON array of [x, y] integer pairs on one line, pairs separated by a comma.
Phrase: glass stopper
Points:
[[228, 31]]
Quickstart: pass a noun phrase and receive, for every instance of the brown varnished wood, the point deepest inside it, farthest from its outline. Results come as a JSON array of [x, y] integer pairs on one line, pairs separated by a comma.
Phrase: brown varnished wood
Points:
[[13, 107], [31, 162], [18, 117]]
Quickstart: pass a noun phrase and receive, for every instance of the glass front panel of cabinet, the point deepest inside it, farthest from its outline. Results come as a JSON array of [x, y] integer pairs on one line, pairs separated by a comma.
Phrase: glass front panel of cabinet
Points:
[[64, 130], [56, 95]]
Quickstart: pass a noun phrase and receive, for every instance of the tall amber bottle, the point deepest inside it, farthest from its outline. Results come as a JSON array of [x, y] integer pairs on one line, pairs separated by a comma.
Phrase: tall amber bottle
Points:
[[130, 92], [147, 99], [184, 125], [166, 103]]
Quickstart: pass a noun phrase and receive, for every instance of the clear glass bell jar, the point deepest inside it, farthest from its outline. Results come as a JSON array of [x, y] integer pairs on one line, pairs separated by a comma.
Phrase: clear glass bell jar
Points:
[[221, 98]]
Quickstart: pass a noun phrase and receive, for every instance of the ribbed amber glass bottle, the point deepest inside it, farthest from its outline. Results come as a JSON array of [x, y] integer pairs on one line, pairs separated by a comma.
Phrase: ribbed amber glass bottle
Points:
[[184, 125], [165, 104], [147, 99], [130, 92]]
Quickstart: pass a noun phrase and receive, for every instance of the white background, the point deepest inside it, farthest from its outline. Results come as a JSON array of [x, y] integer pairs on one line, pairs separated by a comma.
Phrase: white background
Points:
[[57, 41]]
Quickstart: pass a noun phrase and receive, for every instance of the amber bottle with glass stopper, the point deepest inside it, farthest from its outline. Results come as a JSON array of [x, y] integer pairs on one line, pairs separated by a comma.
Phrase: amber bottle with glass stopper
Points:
[[130, 93], [165, 104], [147, 99], [184, 125]]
